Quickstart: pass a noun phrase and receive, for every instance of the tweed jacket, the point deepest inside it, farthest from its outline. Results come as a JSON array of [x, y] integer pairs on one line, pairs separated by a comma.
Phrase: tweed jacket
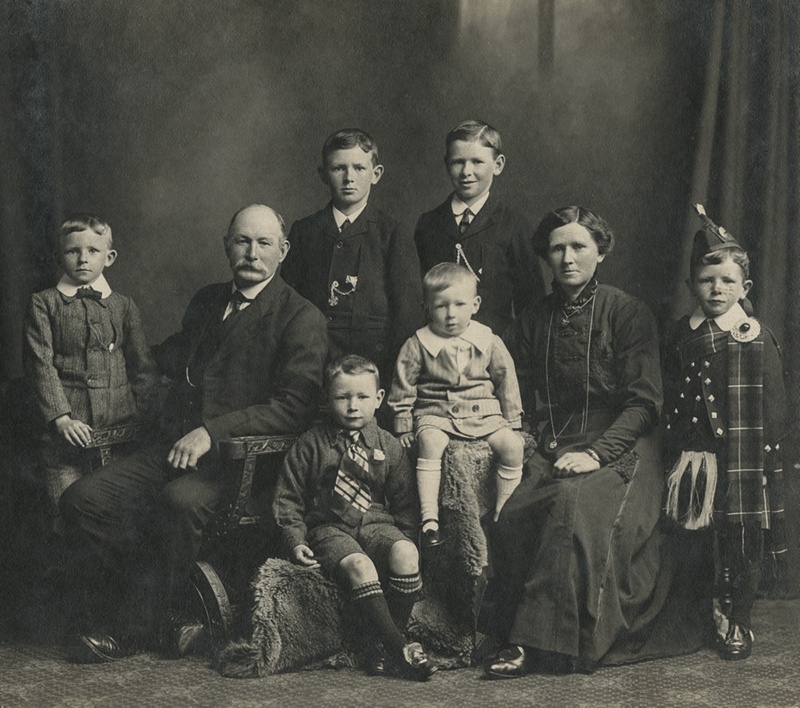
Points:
[[375, 258], [427, 380], [262, 376], [498, 245], [305, 483], [87, 358]]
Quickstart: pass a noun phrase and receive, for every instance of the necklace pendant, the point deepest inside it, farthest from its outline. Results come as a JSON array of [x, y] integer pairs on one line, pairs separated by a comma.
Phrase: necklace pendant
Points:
[[553, 444]]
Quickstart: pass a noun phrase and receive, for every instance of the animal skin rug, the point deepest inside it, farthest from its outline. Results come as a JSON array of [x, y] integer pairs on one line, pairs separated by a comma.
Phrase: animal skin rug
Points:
[[297, 615]]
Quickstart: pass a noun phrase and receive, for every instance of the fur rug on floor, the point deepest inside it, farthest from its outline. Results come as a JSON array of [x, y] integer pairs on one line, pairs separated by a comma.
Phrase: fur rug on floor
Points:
[[297, 617]]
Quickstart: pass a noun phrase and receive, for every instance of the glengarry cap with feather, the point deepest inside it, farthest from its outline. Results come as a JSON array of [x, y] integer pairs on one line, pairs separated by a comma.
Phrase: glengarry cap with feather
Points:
[[710, 238]]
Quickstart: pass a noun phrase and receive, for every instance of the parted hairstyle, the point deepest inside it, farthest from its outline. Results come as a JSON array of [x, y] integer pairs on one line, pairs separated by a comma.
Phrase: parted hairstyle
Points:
[[471, 130], [444, 275], [347, 138], [81, 222], [601, 232], [352, 364], [736, 253]]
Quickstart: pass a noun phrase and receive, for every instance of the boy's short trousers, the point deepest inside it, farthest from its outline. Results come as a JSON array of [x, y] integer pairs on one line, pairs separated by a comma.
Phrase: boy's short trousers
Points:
[[374, 537], [462, 428]]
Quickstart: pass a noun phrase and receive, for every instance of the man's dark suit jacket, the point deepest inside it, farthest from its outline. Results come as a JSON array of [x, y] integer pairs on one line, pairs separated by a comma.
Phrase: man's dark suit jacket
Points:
[[263, 376], [498, 245]]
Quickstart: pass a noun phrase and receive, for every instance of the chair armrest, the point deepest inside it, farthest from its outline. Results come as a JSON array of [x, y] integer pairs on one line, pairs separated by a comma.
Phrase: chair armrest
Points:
[[103, 439], [238, 458]]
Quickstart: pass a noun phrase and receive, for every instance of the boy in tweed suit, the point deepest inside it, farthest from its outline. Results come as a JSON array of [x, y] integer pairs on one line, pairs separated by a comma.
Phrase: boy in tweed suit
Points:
[[85, 352], [725, 396]]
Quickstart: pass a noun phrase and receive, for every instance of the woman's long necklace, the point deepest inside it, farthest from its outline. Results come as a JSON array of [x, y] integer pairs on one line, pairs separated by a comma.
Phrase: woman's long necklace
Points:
[[585, 414]]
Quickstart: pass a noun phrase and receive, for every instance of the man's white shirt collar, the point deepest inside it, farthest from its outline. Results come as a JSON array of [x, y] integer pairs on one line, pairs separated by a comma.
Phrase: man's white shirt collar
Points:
[[460, 207], [69, 289], [477, 334], [251, 292], [725, 321], [340, 218]]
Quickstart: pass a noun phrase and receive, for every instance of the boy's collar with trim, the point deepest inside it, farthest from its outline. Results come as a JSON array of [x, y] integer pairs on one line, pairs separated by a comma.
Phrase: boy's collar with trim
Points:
[[65, 287], [726, 321], [477, 334]]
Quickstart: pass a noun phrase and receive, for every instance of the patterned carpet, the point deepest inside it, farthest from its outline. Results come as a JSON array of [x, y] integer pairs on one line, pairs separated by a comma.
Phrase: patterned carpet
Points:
[[32, 675]]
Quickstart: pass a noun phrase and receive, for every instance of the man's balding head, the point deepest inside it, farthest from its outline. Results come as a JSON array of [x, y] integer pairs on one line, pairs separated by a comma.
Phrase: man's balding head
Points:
[[255, 244]]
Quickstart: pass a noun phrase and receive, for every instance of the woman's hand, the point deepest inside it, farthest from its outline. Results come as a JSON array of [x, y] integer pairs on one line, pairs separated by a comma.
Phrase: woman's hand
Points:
[[574, 463]]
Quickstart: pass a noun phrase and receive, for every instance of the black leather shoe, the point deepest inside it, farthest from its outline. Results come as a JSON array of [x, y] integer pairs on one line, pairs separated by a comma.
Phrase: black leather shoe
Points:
[[430, 537], [182, 637], [414, 663], [377, 664], [510, 663], [738, 643], [100, 648]]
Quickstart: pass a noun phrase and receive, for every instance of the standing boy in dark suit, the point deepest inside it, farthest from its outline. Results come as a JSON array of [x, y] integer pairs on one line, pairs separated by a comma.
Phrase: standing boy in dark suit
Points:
[[353, 261], [475, 228], [247, 361]]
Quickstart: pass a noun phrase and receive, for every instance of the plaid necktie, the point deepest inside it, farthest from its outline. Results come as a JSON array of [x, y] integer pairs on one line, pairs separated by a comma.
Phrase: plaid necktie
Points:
[[351, 496], [466, 220]]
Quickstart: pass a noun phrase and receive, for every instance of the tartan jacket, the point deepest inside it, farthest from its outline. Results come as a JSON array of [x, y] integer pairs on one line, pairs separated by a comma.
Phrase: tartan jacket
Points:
[[305, 483], [87, 358], [727, 396]]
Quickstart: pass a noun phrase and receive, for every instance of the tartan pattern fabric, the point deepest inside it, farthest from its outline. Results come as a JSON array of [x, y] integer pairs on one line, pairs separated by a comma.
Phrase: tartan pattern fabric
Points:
[[351, 496]]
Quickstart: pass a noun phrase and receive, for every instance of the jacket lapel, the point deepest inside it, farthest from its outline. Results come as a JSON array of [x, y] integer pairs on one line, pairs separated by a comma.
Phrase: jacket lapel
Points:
[[249, 321], [484, 219]]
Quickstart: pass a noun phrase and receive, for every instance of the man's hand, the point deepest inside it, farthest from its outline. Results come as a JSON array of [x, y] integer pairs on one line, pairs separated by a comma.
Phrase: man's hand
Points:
[[75, 432], [406, 439], [303, 555], [189, 449], [574, 463]]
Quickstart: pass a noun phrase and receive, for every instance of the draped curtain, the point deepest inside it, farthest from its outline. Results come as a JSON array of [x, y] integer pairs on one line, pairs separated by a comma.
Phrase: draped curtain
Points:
[[746, 175]]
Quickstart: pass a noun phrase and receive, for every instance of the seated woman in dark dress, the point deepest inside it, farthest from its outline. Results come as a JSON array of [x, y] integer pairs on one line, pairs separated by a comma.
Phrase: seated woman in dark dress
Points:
[[576, 551]]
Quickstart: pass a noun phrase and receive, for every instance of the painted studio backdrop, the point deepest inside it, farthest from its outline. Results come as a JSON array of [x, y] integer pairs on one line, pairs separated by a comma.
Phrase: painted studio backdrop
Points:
[[165, 117]]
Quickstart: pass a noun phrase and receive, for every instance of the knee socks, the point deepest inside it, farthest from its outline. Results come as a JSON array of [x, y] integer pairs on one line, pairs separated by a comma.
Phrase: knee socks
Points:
[[429, 477], [370, 604], [404, 592], [508, 479]]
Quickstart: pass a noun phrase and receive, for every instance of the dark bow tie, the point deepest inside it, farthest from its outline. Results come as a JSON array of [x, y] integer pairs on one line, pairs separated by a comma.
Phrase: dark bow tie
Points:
[[89, 292]]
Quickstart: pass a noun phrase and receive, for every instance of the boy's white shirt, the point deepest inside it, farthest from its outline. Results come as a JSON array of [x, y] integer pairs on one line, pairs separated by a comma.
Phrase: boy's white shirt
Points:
[[476, 334], [726, 321], [460, 207], [100, 284], [340, 218]]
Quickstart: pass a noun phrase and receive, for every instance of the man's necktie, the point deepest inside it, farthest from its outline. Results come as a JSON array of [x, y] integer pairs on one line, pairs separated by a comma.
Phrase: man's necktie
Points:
[[345, 225], [238, 302], [466, 220], [351, 496], [89, 293]]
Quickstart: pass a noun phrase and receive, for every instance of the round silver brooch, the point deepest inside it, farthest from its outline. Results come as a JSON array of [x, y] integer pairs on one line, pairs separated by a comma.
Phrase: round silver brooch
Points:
[[746, 330]]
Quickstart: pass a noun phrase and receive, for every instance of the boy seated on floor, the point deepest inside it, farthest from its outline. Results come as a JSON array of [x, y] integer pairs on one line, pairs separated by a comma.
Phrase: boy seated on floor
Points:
[[345, 501]]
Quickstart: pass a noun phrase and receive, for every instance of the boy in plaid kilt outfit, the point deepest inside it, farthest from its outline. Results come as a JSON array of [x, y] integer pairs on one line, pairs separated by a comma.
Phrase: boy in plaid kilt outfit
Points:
[[726, 413]]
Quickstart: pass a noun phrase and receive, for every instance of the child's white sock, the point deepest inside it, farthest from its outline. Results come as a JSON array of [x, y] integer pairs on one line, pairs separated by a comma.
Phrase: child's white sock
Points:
[[429, 477], [508, 479]]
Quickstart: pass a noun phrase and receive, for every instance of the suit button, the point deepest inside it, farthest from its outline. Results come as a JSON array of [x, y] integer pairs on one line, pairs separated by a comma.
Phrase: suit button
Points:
[[455, 409], [329, 318], [339, 244], [475, 408]]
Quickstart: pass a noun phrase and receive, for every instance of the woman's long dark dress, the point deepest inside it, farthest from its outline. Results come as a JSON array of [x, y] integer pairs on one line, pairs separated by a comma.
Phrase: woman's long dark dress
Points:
[[580, 566]]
